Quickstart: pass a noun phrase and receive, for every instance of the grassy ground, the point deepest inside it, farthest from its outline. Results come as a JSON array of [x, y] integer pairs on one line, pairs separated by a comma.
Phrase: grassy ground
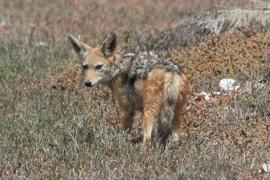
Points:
[[51, 126]]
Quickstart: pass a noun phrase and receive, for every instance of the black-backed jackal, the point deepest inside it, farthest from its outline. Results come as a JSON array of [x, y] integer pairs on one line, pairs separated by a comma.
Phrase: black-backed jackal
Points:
[[157, 87]]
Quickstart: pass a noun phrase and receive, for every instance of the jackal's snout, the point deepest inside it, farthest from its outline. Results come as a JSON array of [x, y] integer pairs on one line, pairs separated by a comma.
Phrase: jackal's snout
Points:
[[88, 83]]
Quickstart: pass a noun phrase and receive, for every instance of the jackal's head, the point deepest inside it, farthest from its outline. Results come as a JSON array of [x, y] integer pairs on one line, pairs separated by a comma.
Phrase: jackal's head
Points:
[[95, 59]]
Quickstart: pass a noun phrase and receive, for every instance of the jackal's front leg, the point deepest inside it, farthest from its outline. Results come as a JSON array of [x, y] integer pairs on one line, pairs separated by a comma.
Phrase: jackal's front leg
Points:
[[125, 110], [125, 107], [126, 114]]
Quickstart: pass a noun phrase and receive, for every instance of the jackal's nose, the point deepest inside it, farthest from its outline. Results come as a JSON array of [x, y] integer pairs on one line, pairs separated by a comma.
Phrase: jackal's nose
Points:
[[88, 83]]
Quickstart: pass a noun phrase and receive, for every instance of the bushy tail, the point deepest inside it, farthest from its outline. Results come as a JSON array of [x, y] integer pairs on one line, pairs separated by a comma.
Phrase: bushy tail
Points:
[[171, 91]]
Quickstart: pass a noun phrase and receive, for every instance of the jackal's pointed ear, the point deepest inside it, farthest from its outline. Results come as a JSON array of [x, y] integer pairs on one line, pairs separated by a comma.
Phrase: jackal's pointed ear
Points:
[[78, 46], [109, 45]]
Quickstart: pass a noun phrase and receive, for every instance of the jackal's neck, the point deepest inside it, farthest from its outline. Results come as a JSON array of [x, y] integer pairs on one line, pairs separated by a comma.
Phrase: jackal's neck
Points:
[[118, 84], [120, 66]]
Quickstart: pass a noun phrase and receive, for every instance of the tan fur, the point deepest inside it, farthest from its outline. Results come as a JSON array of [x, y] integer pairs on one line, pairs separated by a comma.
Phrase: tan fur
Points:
[[161, 96], [153, 97], [125, 107], [93, 57], [184, 91]]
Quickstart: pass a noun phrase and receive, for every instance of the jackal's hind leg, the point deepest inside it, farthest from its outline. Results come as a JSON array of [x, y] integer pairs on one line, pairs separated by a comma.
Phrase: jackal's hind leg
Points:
[[178, 117], [153, 96], [176, 129], [149, 120]]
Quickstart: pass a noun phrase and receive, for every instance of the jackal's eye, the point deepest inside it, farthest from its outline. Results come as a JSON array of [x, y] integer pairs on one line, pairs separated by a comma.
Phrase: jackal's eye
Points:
[[98, 66], [85, 66]]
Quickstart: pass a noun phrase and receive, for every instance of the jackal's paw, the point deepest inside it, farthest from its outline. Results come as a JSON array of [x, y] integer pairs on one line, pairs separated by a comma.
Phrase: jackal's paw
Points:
[[145, 148], [175, 137]]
